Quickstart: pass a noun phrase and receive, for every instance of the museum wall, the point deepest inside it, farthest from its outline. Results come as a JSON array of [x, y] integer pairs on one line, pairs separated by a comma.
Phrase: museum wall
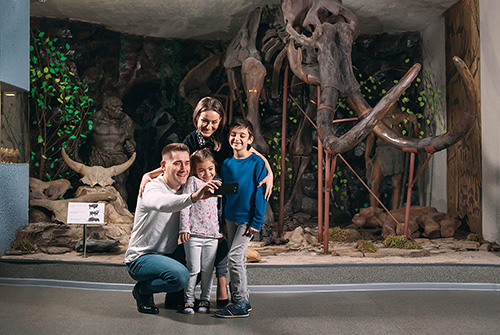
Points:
[[14, 43], [464, 175], [490, 95]]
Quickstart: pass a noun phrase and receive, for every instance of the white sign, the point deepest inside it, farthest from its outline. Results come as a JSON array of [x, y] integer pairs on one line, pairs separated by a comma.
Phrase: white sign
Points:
[[85, 213]]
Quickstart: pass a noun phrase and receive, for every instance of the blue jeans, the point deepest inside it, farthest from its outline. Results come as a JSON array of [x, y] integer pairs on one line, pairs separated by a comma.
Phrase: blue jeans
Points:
[[158, 273]]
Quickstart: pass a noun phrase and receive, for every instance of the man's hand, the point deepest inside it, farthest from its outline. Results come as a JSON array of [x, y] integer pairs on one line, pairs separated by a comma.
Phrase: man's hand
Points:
[[145, 179], [183, 238], [268, 181], [206, 191]]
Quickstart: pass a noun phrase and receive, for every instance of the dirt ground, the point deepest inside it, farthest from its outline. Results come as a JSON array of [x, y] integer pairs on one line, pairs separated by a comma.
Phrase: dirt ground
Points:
[[448, 251]]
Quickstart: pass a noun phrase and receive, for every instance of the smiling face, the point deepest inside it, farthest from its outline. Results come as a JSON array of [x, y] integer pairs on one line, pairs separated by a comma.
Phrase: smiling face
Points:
[[208, 122], [239, 139], [175, 168], [205, 170]]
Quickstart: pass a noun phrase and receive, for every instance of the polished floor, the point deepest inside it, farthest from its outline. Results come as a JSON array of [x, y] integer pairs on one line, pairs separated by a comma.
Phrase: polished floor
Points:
[[42, 310]]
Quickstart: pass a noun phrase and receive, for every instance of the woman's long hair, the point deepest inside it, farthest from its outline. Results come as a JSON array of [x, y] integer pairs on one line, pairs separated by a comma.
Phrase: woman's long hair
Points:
[[207, 104]]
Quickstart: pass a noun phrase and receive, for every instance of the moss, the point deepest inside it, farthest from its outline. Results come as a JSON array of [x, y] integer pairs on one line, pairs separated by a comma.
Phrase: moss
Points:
[[25, 245], [338, 234], [474, 237], [414, 245], [397, 242], [366, 246], [400, 242]]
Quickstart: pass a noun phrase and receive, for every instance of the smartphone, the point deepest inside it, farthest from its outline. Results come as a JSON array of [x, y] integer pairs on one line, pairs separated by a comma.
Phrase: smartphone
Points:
[[227, 189]]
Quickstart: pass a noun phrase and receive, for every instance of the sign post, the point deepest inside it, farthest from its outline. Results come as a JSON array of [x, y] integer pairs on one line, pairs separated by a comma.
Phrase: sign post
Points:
[[85, 213]]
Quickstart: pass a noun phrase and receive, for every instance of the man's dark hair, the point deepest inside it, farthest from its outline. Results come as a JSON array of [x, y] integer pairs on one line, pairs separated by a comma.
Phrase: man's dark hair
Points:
[[242, 123], [169, 148]]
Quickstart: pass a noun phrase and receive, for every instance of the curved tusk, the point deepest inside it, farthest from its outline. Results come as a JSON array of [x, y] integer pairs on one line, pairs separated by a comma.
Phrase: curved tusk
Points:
[[295, 61], [357, 133], [435, 143], [119, 169], [75, 166]]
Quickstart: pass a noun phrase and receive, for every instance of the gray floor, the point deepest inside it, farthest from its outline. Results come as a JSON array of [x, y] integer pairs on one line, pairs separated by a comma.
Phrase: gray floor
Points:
[[47, 297], [47, 310]]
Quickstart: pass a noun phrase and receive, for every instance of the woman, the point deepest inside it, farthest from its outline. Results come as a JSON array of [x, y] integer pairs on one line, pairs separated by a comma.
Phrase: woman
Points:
[[210, 120]]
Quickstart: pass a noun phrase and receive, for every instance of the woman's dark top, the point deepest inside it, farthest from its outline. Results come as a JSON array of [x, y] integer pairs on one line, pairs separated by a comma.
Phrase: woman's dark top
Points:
[[195, 141]]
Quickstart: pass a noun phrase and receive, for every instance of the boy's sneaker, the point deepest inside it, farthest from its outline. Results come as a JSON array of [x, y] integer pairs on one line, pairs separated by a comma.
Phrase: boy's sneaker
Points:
[[238, 310], [188, 308], [204, 306], [249, 307], [221, 303]]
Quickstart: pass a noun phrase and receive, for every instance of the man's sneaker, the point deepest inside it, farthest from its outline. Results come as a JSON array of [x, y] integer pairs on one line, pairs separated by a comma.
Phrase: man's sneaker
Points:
[[204, 306], [238, 310], [145, 302], [174, 300], [188, 308]]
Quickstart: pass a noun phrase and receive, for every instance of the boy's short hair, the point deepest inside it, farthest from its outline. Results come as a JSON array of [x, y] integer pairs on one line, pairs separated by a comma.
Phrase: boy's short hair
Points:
[[166, 153], [239, 122]]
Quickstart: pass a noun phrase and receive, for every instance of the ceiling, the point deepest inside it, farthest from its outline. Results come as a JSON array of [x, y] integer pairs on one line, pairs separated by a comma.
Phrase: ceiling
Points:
[[221, 19]]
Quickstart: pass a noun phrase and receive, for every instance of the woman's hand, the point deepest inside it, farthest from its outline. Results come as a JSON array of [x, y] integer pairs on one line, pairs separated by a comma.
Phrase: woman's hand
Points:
[[268, 181], [149, 177], [145, 179], [183, 238]]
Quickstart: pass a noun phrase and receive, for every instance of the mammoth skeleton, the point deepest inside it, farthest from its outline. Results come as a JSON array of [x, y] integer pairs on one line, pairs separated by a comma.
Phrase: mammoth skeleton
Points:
[[316, 37]]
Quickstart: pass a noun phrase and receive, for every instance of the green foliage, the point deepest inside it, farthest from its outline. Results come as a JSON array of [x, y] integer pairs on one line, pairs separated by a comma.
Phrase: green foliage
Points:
[[274, 159], [60, 106]]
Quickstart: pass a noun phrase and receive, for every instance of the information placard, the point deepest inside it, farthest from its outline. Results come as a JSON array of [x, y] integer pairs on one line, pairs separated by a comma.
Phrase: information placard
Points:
[[85, 213]]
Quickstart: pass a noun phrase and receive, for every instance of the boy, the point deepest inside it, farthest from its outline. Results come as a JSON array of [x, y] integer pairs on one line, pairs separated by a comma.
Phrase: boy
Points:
[[244, 212]]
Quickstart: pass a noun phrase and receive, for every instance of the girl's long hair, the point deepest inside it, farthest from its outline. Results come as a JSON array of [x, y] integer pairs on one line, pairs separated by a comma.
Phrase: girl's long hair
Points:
[[200, 156]]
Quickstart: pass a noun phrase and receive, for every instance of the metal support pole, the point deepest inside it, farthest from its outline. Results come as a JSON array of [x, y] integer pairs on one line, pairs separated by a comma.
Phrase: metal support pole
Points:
[[320, 191], [326, 205], [408, 194], [283, 153], [320, 182], [84, 241]]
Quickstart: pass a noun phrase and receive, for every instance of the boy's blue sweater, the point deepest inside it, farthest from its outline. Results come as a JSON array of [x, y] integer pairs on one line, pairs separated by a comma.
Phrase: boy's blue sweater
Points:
[[249, 204]]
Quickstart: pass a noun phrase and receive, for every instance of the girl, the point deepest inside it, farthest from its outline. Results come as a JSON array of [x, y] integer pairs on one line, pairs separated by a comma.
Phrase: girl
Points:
[[199, 231]]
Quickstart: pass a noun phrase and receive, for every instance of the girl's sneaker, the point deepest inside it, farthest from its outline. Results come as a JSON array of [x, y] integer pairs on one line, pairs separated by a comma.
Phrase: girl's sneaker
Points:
[[204, 306], [188, 308]]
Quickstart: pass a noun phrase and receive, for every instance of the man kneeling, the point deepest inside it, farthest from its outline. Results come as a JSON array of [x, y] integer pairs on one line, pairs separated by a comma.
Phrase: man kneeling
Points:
[[151, 257]]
